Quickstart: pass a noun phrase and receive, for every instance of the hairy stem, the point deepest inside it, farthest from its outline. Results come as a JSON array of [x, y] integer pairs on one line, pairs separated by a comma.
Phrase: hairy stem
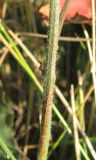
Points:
[[49, 80]]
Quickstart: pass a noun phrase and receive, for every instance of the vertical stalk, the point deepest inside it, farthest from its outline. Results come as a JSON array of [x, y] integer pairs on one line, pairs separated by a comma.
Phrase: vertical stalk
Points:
[[49, 80], [63, 14], [81, 102], [94, 47], [75, 130]]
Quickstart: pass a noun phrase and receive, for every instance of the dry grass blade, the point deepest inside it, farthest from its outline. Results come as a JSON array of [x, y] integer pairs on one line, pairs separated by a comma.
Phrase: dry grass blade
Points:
[[68, 107], [75, 130], [2, 58], [61, 38], [88, 94], [26, 50], [94, 47]]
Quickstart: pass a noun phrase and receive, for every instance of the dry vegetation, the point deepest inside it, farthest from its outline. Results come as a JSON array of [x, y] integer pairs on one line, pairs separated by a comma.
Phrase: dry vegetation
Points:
[[23, 49]]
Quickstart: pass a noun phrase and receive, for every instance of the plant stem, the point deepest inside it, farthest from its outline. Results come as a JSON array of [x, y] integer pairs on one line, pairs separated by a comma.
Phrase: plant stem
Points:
[[63, 15], [49, 81], [94, 48], [6, 150], [75, 130]]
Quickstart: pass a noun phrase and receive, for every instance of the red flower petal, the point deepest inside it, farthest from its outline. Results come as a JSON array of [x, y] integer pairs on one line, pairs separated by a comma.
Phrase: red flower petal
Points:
[[77, 8]]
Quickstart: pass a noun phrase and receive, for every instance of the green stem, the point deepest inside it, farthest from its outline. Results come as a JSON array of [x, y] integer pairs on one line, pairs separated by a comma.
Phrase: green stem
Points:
[[49, 81], [6, 150], [56, 144]]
